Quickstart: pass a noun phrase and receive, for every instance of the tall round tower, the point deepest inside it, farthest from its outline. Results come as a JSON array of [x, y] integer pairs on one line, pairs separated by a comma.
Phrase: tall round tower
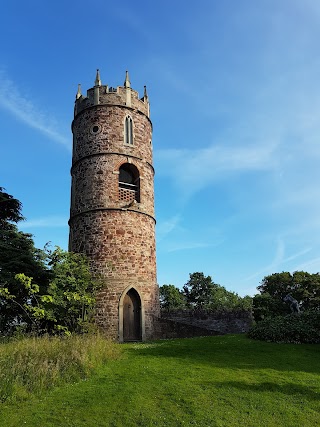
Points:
[[112, 206]]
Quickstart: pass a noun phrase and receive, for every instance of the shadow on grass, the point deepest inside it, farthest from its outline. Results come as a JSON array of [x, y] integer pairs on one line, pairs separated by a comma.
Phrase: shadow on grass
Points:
[[300, 391], [235, 352]]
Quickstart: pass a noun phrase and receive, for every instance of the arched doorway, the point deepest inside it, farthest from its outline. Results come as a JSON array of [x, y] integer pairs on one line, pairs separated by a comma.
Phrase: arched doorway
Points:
[[132, 316]]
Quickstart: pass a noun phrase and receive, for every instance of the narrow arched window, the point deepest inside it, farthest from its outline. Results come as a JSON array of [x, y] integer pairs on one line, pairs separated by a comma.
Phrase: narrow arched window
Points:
[[128, 131], [129, 183]]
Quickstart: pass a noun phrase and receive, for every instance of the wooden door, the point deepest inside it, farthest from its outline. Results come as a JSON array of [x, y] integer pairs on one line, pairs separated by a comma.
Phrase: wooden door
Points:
[[132, 316]]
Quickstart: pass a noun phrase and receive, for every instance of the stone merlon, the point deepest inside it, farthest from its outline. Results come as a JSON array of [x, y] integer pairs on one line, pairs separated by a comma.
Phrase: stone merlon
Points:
[[106, 95]]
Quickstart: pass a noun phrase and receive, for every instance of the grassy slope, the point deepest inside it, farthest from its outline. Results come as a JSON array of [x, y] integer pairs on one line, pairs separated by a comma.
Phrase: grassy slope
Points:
[[215, 381]]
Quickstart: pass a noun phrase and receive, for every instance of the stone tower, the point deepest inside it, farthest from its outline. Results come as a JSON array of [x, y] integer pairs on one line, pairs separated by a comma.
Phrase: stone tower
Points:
[[112, 216]]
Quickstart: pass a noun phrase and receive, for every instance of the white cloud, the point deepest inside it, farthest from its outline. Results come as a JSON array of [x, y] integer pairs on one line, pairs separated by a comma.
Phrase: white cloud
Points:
[[46, 222], [310, 265], [193, 170], [166, 227], [24, 110], [279, 262], [273, 266], [191, 246]]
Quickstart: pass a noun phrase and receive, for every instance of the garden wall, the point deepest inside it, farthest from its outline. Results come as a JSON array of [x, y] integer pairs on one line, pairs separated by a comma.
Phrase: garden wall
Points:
[[190, 323]]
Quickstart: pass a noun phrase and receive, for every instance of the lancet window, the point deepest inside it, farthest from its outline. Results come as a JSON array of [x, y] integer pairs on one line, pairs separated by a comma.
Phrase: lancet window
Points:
[[128, 131]]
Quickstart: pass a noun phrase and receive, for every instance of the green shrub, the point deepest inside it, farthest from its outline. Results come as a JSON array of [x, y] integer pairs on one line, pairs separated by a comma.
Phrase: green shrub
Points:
[[293, 328], [31, 365]]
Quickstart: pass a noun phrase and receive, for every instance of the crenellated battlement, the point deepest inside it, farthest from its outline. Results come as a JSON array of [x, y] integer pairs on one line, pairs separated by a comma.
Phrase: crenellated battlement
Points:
[[107, 95]]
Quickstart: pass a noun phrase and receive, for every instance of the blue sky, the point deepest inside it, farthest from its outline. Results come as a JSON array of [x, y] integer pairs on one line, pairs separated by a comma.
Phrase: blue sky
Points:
[[235, 104]]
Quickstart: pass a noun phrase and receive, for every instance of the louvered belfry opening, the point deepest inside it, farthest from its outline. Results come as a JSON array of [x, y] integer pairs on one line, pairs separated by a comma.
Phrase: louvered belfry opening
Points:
[[129, 183]]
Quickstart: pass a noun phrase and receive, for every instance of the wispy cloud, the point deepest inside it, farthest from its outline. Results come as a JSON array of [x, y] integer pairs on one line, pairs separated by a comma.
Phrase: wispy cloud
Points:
[[166, 227], [191, 246], [24, 110], [193, 170], [310, 265], [279, 261], [47, 222], [278, 257]]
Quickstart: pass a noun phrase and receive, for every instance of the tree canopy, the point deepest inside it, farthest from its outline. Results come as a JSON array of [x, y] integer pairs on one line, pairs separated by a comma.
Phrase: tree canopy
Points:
[[43, 290], [171, 298], [200, 292], [302, 286], [10, 208], [18, 255]]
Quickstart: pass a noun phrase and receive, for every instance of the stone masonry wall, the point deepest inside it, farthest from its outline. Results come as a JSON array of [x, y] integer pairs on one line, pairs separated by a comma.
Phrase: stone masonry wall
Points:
[[110, 136], [95, 184], [187, 323], [116, 233], [114, 96]]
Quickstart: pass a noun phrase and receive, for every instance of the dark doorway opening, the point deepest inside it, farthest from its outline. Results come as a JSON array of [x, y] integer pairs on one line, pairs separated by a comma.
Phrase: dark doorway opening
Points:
[[132, 316], [129, 183]]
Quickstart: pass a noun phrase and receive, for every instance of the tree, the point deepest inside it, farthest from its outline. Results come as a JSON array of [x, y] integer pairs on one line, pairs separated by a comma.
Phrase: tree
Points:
[[171, 298], [264, 305], [202, 293], [68, 301], [302, 286], [198, 290], [43, 290], [17, 255], [72, 289], [10, 209]]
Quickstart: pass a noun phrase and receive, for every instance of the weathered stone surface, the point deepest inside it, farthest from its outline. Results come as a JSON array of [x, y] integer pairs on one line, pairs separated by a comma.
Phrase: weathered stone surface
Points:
[[187, 323], [115, 231]]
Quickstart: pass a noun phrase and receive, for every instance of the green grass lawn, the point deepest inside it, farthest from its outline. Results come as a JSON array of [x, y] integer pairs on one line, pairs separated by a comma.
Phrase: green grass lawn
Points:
[[212, 381]]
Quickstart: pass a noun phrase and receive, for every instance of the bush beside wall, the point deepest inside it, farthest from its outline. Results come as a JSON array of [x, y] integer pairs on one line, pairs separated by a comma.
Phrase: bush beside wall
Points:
[[293, 328]]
